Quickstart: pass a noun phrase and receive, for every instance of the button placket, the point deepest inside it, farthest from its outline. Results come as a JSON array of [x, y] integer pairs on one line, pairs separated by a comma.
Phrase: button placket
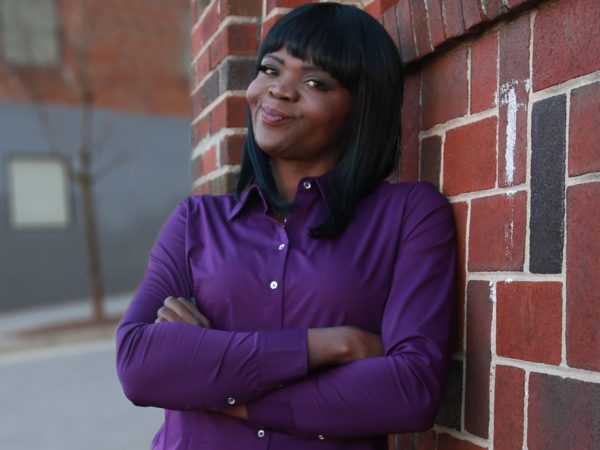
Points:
[[279, 253]]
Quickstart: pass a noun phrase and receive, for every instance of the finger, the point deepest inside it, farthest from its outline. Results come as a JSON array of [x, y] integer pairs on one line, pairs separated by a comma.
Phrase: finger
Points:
[[196, 312], [165, 314], [177, 306]]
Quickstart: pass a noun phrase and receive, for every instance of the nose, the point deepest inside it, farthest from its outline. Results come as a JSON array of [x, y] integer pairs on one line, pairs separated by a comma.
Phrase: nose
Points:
[[282, 89]]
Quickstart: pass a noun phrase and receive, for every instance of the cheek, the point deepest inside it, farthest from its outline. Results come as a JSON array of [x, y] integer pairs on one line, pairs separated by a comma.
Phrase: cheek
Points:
[[252, 93]]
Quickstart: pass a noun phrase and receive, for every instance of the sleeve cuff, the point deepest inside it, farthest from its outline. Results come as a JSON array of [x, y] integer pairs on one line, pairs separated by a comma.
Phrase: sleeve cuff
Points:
[[283, 357]]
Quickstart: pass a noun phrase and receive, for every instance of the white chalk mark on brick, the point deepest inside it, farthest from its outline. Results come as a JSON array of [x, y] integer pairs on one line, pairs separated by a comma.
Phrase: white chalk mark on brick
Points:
[[511, 137]]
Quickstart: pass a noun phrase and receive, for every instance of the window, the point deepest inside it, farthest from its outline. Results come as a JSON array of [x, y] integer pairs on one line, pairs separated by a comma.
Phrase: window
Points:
[[30, 32], [38, 193]]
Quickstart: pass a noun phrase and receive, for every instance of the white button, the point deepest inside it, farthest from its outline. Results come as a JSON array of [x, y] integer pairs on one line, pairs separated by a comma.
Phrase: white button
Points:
[[307, 184], [261, 433], [231, 401], [281, 247], [321, 437], [273, 285]]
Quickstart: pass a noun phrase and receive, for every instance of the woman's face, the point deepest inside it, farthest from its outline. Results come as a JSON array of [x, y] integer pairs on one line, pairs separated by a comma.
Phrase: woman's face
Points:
[[298, 111]]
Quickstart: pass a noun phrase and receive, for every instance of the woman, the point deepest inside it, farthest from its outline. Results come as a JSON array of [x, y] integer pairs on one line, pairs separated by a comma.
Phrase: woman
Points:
[[312, 309]]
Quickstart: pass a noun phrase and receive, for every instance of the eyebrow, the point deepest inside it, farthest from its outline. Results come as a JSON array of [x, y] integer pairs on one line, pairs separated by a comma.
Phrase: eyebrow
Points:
[[305, 66]]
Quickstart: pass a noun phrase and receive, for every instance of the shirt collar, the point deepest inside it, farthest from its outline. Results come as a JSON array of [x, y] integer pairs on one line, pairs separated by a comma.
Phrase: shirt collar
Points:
[[253, 194]]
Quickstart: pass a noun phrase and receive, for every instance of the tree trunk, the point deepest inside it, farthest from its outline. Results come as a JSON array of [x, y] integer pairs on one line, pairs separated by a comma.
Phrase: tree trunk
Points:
[[85, 181]]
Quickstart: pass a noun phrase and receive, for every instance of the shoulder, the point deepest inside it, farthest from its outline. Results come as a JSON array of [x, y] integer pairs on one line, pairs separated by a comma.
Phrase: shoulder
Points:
[[415, 206], [195, 210], [214, 203], [410, 195]]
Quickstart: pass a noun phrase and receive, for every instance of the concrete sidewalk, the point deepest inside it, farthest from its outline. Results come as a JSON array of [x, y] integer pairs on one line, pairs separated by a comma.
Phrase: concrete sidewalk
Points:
[[61, 324], [59, 387]]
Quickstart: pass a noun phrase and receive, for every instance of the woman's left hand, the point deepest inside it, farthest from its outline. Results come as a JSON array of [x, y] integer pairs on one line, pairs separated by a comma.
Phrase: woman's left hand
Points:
[[181, 310], [238, 411]]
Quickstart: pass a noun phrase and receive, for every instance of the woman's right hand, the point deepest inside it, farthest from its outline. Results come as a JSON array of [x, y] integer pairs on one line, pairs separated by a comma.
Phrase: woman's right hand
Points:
[[181, 310], [341, 345]]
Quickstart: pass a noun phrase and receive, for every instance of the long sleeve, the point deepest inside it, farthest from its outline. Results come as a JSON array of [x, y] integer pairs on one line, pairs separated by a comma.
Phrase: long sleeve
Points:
[[401, 391], [181, 366]]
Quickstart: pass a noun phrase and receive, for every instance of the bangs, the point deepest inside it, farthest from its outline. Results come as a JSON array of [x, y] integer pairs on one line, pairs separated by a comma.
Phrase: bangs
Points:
[[321, 37]]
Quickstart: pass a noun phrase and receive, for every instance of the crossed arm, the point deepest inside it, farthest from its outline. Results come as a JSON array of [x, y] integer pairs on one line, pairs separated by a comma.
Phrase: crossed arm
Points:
[[326, 346], [367, 384]]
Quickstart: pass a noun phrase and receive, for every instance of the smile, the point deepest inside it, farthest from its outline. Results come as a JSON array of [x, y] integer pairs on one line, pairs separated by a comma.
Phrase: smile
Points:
[[272, 116]]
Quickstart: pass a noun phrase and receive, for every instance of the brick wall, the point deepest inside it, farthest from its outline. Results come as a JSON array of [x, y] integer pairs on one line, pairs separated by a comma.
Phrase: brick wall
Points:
[[501, 112], [136, 57]]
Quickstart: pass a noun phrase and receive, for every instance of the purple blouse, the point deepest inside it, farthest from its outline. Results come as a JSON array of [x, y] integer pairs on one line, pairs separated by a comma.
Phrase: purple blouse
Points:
[[262, 284]]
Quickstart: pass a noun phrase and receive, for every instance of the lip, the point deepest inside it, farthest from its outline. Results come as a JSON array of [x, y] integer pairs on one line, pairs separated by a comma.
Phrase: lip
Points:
[[272, 116]]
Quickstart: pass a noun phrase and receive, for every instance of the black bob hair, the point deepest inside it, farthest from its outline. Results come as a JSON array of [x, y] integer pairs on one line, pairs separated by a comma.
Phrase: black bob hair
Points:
[[356, 50]]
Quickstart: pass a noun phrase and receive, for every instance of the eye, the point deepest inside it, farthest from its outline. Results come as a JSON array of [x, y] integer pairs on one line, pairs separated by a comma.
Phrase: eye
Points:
[[267, 70], [317, 84]]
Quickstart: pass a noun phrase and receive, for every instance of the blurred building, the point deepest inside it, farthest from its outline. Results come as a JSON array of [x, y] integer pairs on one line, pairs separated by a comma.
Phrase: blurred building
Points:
[[98, 83]]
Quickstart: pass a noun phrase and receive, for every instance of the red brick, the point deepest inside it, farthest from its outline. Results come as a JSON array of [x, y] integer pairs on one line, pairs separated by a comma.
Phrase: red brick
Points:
[[479, 356], [566, 43], [445, 88], [484, 55], [208, 161], [200, 130], [436, 24], [426, 440], [234, 39], [197, 103], [460, 219], [497, 233], [584, 152], [231, 148], [202, 67], [271, 4], [391, 25], [376, 8], [563, 413], [405, 31], [472, 13], [448, 442], [267, 24], [208, 25], [508, 408], [229, 113], [204, 188], [512, 4], [373, 8], [392, 439], [197, 42], [421, 27], [409, 157], [431, 153], [453, 19], [470, 157], [529, 321], [493, 8], [248, 8], [417, 441], [513, 97], [583, 282]]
